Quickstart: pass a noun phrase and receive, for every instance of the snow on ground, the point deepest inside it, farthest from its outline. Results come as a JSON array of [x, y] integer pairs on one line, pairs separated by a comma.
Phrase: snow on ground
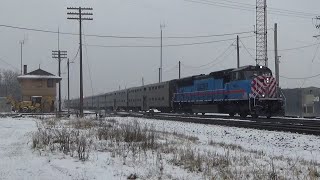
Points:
[[274, 143], [20, 161]]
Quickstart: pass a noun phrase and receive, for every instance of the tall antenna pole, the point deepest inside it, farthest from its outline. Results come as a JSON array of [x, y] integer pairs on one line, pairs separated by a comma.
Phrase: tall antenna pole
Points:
[[160, 74], [276, 57], [261, 33], [80, 13], [179, 69], [21, 45], [238, 53], [68, 64], [58, 38]]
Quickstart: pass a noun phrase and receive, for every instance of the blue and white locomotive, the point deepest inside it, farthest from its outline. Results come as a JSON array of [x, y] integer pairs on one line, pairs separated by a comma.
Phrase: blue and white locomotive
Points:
[[249, 90]]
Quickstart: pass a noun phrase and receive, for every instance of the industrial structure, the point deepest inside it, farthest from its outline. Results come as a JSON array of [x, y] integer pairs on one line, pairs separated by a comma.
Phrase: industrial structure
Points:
[[261, 33], [38, 90], [302, 102]]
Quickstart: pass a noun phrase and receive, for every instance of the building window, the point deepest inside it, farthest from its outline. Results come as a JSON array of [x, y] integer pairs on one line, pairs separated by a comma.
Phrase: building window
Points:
[[50, 83]]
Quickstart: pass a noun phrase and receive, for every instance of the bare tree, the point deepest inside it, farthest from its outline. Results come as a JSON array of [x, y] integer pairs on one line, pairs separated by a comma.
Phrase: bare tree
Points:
[[9, 84]]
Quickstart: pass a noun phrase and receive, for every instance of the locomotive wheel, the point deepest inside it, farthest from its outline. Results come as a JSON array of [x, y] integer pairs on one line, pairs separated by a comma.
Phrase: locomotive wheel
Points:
[[243, 115], [231, 114], [255, 116]]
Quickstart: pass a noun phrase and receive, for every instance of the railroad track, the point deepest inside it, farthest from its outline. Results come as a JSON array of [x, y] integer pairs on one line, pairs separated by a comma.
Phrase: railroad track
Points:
[[302, 126]]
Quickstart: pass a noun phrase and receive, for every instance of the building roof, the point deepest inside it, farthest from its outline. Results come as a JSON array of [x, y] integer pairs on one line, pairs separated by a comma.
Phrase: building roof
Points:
[[39, 74]]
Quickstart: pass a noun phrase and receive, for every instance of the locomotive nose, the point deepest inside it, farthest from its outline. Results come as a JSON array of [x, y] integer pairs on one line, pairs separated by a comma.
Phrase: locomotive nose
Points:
[[263, 87]]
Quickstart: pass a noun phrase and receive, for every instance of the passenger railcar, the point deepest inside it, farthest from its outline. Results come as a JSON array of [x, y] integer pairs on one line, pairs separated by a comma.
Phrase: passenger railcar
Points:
[[249, 90]]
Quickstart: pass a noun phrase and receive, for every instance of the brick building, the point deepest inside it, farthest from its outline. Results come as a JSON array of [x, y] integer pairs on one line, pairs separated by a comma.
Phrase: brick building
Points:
[[39, 86]]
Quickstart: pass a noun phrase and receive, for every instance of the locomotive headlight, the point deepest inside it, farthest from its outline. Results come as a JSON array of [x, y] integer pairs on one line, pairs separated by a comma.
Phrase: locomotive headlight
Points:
[[263, 95], [268, 80]]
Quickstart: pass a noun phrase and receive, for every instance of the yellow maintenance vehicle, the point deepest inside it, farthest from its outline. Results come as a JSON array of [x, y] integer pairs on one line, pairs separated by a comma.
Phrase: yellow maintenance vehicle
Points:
[[36, 105]]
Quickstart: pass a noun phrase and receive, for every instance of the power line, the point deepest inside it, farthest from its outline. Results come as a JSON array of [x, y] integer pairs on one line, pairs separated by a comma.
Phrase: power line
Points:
[[213, 61], [172, 68], [251, 8], [14, 67], [290, 49], [90, 74], [269, 8], [301, 78], [168, 45], [310, 77], [74, 58], [218, 62], [247, 50], [125, 37]]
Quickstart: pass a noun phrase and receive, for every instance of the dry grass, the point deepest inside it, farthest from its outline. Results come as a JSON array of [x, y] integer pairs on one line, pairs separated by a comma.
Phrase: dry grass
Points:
[[66, 140], [134, 142]]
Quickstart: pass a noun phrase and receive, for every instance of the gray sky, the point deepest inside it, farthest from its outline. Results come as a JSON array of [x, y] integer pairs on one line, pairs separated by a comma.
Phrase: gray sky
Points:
[[114, 67]]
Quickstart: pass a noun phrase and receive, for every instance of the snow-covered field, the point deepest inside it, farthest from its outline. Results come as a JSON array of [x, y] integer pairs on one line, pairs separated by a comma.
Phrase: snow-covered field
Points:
[[124, 147]]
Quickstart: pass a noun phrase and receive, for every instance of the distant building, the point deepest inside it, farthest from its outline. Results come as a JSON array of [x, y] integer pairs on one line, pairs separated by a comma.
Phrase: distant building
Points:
[[39, 86], [302, 102]]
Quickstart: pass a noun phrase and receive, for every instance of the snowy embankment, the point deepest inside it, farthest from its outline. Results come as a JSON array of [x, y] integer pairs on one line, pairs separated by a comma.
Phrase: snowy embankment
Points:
[[121, 148]]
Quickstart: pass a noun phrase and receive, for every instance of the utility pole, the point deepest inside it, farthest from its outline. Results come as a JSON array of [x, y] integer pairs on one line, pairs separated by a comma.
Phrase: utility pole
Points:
[[21, 45], [160, 72], [179, 69], [142, 81], [80, 18], [159, 75], [68, 64], [238, 53], [59, 55], [276, 57]]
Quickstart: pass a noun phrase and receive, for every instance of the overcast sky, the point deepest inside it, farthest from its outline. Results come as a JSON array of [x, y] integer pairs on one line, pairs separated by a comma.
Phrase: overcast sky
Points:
[[125, 67]]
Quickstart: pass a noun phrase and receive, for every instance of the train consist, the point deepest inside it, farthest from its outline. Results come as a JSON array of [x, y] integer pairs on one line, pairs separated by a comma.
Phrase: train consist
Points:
[[249, 90]]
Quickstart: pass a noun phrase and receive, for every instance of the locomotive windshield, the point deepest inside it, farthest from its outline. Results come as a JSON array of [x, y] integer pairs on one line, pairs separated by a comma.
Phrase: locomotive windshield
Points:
[[250, 72]]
